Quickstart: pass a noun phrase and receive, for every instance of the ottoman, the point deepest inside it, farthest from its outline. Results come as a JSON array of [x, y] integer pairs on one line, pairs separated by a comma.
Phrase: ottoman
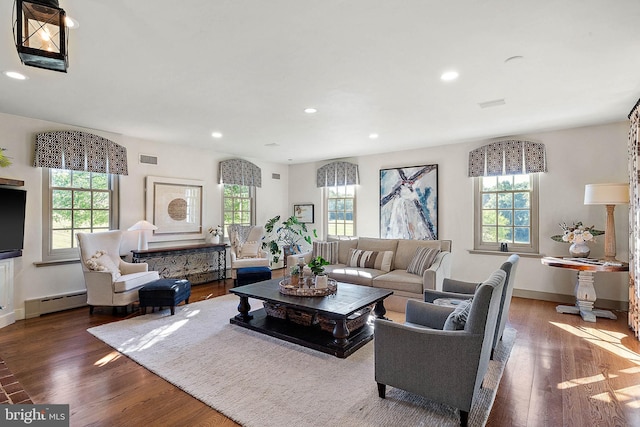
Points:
[[248, 275], [164, 293]]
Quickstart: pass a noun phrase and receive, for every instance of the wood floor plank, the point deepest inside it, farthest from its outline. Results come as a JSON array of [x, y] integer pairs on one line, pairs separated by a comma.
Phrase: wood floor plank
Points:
[[562, 371]]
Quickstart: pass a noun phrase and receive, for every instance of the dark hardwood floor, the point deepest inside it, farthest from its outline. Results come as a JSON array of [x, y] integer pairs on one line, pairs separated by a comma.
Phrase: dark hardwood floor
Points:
[[562, 371]]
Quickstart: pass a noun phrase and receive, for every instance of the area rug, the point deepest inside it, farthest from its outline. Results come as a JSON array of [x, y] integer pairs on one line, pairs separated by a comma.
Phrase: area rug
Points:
[[258, 380]]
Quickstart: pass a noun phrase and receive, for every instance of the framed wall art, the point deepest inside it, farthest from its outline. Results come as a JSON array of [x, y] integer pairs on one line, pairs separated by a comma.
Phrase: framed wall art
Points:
[[175, 207], [409, 203], [304, 213]]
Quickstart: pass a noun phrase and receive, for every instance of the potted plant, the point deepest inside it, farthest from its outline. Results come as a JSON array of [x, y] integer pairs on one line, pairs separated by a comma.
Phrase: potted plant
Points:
[[286, 236], [316, 265], [295, 275]]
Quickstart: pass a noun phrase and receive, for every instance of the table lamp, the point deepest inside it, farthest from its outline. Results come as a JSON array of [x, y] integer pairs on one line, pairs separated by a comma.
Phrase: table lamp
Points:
[[608, 195], [143, 227]]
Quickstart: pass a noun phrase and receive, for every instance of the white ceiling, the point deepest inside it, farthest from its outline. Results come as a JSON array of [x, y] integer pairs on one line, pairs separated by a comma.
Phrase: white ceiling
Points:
[[175, 71]]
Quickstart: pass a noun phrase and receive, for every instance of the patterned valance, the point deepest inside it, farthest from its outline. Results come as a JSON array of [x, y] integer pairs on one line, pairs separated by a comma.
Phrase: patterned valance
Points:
[[80, 151], [240, 172], [337, 173], [508, 158]]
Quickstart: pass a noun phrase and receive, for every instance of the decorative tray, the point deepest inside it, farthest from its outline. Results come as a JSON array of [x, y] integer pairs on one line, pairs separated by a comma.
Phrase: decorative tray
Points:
[[287, 288]]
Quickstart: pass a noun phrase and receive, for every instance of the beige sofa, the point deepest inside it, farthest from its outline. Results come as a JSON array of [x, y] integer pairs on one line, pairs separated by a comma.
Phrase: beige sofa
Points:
[[403, 284]]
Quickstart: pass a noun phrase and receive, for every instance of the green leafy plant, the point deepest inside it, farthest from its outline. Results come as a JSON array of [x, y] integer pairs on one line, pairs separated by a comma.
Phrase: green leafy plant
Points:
[[317, 265], [285, 236], [4, 160], [294, 270]]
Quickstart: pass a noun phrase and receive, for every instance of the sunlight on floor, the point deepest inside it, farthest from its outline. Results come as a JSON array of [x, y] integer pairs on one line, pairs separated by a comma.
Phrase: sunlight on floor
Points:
[[607, 340], [612, 342], [153, 337], [114, 355]]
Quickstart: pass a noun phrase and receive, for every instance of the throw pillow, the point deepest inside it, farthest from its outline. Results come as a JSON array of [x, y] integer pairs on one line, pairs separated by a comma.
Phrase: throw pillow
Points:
[[458, 317], [371, 259], [100, 261], [327, 250], [422, 260], [249, 250]]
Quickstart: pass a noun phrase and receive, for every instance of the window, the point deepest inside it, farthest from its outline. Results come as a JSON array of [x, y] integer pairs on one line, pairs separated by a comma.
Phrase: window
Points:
[[507, 212], [76, 202], [239, 205], [340, 208]]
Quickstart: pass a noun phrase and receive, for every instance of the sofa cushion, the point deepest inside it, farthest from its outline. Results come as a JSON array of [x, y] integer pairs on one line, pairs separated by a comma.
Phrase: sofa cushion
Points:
[[371, 259], [399, 280], [355, 275], [327, 250], [422, 260], [344, 246], [407, 249], [458, 317]]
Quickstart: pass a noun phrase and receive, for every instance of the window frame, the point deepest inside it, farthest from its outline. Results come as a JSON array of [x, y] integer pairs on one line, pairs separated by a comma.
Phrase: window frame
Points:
[[533, 246], [52, 255], [252, 207], [325, 196]]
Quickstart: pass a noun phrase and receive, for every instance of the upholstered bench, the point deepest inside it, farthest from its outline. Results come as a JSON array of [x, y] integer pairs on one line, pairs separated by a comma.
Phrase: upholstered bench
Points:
[[164, 293], [248, 275]]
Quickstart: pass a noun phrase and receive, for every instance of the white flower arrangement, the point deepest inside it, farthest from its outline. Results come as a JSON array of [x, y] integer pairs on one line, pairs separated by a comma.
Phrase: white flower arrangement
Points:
[[577, 233], [215, 231]]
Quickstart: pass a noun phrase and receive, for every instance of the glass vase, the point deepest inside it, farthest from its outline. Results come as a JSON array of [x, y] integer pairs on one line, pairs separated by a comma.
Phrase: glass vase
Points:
[[579, 250]]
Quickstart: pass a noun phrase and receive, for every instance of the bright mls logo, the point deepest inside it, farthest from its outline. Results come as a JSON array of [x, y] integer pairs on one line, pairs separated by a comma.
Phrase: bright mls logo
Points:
[[35, 415]]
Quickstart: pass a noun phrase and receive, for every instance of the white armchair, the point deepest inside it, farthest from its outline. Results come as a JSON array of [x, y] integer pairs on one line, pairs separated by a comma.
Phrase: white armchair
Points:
[[246, 248], [110, 281]]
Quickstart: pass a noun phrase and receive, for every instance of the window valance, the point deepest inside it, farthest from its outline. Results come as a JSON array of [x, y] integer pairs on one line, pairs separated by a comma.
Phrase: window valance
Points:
[[240, 172], [508, 158], [80, 151], [337, 173]]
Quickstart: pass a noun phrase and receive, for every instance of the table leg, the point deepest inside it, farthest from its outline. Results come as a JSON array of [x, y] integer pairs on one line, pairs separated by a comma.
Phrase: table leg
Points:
[[585, 298], [341, 332], [379, 310], [244, 308]]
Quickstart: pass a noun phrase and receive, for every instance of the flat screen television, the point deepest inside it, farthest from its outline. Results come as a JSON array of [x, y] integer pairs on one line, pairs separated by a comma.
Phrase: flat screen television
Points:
[[12, 214]]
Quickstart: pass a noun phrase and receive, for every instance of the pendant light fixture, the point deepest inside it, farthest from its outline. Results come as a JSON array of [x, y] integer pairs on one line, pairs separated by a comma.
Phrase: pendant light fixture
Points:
[[41, 34]]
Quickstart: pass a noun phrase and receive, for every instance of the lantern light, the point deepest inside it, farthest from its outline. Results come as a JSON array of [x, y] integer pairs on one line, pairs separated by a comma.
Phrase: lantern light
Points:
[[41, 34]]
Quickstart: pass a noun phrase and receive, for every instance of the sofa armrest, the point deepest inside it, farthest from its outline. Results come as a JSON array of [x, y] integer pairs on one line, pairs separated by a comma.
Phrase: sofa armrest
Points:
[[133, 267], [439, 270], [293, 259]]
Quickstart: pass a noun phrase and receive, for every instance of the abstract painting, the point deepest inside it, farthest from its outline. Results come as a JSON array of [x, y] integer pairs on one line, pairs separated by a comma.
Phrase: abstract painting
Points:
[[409, 203]]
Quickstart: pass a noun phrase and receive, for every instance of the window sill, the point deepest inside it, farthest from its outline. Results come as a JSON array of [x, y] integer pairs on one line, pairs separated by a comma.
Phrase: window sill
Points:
[[522, 254], [56, 262]]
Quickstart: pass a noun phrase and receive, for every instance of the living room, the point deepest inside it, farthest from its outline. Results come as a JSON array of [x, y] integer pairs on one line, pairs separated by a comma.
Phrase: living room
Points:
[[594, 149]]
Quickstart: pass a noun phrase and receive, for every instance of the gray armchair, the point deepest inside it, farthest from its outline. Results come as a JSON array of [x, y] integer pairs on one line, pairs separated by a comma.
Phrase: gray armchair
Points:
[[446, 366], [464, 290]]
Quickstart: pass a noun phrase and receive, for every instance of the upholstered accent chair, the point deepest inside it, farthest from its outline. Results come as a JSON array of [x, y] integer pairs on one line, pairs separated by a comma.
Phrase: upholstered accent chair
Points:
[[458, 289], [110, 281], [432, 356], [246, 248]]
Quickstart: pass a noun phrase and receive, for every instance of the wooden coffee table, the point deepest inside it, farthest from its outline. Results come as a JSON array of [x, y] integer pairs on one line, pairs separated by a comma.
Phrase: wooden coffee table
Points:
[[341, 342]]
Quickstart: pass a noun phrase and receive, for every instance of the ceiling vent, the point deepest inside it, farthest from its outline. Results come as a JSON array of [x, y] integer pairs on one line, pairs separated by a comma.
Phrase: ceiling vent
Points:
[[149, 160], [275, 176], [489, 104]]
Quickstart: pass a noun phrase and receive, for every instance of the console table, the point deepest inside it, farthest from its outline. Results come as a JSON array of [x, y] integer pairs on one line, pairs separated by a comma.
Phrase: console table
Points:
[[585, 291], [196, 263]]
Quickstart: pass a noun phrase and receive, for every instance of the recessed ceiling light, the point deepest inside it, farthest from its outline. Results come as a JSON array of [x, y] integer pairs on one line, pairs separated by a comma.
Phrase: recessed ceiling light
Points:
[[373, 135], [448, 76], [272, 144], [15, 75], [216, 135], [310, 110], [514, 58]]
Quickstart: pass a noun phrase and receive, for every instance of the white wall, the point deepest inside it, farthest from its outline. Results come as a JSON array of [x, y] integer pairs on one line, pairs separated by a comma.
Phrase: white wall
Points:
[[17, 135], [576, 157]]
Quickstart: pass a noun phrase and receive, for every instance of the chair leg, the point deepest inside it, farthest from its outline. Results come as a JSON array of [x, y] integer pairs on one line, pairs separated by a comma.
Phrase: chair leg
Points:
[[464, 418], [173, 310], [382, 389], [91, 309]]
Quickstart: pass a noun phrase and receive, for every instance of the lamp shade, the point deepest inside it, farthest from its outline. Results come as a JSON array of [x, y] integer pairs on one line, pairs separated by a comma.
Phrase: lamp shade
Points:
[[142, 225], [606, 194]]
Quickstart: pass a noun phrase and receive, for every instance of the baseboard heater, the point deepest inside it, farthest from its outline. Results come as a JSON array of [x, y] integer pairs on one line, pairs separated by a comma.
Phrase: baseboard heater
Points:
[[53, 303]]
